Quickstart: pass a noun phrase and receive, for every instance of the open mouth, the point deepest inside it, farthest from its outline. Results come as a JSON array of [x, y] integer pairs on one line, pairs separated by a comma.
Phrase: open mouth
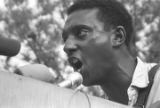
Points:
[[75, 63]]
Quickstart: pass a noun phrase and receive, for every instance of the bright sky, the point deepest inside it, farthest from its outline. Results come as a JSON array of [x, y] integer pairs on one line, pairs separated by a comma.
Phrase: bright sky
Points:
[[2, 5]]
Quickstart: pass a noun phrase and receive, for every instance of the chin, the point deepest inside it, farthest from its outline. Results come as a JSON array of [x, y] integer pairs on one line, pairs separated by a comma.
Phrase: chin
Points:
[[92, 82], [87, 82]]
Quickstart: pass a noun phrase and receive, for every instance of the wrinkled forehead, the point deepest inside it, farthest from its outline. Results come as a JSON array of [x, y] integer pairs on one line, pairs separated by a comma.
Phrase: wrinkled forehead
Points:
[[86, 17]]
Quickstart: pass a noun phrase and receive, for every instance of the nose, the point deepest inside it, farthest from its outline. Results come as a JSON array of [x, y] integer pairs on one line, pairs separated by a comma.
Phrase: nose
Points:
[[70, 45]]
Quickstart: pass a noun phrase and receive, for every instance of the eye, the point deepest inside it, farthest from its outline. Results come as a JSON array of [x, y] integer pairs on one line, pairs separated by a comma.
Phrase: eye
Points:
[[82, 33]]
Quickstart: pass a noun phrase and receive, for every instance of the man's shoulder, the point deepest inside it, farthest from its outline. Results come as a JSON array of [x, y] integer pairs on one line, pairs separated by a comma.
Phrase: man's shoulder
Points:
[[157, 74], [154, 94], [154, 71]]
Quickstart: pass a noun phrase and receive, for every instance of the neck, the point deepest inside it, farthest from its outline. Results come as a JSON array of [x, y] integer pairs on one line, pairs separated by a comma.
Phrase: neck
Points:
[[117, 85], [116, 93], [116, 89]]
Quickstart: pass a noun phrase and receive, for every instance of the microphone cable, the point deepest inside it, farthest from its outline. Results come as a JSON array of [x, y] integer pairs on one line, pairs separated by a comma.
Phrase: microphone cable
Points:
[[75, 93]]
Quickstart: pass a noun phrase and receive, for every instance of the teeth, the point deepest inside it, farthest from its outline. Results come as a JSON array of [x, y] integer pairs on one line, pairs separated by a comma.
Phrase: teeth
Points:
[[74, 60]]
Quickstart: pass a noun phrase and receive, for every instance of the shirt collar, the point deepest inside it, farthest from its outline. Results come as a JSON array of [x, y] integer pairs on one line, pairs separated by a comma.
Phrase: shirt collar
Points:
[[140, 77]]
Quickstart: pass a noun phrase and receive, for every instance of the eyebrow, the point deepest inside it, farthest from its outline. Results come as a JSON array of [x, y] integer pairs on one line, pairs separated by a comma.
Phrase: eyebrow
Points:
[[78, 27], [82, 26]]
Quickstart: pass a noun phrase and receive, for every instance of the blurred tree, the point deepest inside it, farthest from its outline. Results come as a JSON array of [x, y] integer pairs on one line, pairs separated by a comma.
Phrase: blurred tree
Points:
[[38, 25], [147, 20]]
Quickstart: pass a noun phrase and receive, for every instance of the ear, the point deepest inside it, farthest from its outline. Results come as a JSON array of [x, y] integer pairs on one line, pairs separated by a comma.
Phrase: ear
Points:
[[119, 36]]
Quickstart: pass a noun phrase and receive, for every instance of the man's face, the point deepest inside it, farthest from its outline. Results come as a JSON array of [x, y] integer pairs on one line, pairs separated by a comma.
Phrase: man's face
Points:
[[88, 46]]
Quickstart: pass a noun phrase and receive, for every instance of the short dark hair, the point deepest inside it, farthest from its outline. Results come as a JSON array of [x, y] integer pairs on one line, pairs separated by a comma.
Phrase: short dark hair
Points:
[[111, 13]]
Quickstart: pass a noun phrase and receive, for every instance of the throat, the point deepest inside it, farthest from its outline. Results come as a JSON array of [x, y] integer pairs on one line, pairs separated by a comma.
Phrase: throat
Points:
[[117, 92]]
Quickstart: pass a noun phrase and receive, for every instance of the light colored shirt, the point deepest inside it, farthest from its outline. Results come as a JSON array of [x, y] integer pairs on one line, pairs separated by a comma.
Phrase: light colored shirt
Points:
[[140, 79]]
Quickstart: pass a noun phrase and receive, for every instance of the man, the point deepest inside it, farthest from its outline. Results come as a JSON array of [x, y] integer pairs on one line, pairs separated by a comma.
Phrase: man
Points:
[[98, 36]]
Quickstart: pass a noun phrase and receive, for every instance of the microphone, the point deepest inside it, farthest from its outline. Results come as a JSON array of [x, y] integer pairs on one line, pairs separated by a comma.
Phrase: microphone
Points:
[[9, 47], [36, 71], [74, 79]]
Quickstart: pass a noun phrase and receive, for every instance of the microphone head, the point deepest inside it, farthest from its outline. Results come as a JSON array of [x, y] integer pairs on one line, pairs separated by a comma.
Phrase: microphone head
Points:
[[74, 80], [9, 47]]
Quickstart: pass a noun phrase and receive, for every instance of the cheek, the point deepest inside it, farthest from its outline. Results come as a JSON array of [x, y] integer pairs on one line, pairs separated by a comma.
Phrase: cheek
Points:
[[101, 40], [96, 47], [96, 61], [97, 53]]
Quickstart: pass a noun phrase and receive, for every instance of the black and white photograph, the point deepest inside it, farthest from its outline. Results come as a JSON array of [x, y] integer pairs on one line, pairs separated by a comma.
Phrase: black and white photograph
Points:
[[79, 53]]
